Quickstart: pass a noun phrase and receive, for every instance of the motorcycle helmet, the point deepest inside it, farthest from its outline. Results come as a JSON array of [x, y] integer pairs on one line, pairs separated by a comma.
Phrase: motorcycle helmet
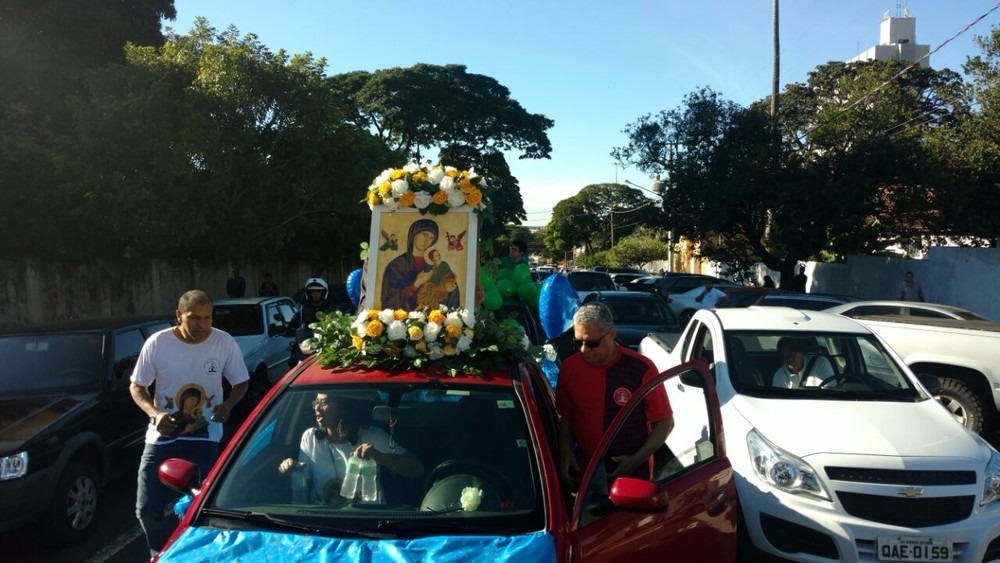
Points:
[[313, 284]]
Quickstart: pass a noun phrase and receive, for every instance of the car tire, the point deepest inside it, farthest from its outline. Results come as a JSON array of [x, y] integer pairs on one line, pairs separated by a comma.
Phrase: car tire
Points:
[[963, 404], [73, 508]]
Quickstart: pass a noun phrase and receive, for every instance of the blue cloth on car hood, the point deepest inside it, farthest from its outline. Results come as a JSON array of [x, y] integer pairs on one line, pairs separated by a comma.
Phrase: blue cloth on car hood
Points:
[[211, 544]]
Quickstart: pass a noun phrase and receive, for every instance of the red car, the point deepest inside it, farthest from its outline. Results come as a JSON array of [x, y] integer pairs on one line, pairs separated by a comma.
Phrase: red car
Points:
[[489, 489]]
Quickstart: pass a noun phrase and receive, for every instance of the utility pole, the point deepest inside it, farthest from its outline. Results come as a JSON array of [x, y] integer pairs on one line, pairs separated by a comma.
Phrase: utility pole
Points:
[[776, 73]]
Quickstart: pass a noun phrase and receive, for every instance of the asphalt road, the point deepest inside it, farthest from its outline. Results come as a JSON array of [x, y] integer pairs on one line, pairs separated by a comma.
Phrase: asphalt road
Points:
[[117, 537]]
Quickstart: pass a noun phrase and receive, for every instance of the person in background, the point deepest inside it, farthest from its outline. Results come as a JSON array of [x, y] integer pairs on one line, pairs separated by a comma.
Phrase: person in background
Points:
[[267, 287], [594, 384], [710, 295], [799, 369], [187, 364], [801, 281], [768, 282], [909, 289], [516, 254], [236, 286]]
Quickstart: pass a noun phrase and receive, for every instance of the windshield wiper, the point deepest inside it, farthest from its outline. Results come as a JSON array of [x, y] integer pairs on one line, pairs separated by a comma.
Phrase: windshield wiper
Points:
[[451, 527], [281, 524]]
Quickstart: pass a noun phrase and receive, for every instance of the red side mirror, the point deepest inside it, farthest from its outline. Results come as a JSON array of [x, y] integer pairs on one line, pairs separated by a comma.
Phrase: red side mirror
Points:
[[179, 474], [640, 495]]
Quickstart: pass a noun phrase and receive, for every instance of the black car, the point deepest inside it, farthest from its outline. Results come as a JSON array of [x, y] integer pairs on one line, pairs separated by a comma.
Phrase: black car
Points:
[[637, 314], [68, 424]]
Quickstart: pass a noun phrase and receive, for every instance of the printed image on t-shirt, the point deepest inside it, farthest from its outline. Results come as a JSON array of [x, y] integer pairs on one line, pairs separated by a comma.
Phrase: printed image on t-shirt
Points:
[[192, 405]]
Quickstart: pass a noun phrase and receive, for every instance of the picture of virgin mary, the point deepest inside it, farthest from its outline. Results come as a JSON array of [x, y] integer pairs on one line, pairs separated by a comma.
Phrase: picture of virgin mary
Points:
[[408, 272]]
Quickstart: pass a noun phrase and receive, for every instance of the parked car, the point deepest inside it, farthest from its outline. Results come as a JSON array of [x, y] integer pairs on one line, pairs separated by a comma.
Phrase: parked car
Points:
[[260, 326], [675, 284], [644, 283], [638, 314], [742, 296], [804, 301], [684, 304], [492, 440], [622, 279], [68, 424], [863, 466], [585, 281], [905, 308]]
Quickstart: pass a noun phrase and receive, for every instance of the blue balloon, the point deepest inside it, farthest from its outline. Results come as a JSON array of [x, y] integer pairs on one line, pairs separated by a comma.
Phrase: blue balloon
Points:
[[354, 286], [557, 302]]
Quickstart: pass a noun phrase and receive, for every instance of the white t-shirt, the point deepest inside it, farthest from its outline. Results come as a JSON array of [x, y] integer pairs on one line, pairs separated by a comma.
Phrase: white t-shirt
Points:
[[712, 297], [326, 460], [817, 369], [188, 380]]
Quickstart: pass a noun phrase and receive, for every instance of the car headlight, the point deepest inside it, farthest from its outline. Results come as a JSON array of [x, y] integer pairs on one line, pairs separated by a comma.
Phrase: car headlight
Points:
[[991, 479], [783, 470], [13, 466]]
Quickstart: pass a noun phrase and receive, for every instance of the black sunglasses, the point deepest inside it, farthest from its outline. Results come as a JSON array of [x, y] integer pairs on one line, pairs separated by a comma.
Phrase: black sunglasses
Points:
[[591, 343]]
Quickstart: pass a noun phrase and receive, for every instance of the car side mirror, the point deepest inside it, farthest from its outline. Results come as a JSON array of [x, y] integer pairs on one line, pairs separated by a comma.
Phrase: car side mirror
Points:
[[692, 379], [639, 495], [179, 475]]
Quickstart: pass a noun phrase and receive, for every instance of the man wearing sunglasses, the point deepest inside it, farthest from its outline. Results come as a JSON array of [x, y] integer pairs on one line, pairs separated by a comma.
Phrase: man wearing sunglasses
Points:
[[594, 384]]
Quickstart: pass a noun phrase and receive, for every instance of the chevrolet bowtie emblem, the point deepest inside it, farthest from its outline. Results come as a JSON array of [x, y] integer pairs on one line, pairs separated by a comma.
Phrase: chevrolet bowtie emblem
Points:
[[911, 492]]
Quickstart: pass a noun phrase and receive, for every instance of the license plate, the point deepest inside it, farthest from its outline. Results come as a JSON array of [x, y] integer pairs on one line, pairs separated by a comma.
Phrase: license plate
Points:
[[913, 548]]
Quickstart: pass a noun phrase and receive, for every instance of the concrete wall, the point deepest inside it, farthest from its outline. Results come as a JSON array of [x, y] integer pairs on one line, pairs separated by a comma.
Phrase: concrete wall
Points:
[[34, 291]]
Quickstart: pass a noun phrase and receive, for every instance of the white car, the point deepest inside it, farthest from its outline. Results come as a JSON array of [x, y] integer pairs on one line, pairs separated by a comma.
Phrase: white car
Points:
[[905, 308], [863, 465], [260, 327], [683, 305]]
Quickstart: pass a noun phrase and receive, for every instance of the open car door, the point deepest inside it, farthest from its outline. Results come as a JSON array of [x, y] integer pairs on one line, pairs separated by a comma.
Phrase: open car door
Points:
[[687, 511]]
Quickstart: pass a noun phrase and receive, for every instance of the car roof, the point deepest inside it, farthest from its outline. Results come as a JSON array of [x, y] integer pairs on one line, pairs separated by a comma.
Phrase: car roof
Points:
[[757, 318], [624, 296], [89, 324], [312, 373], [890, 303]]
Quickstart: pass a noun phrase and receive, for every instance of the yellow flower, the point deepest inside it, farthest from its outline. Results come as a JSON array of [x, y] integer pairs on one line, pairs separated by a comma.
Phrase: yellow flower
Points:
[[375, 328], [416, 333], [452, 172], [373, 198], [466, 186], [474, 197], [357, 341], [453, 331], [397, 174], [421, 346], [372, 314], [449, 350], [439, 198], [384, 188], [399, 315], [436, 316], [419, 176], [406, 200]]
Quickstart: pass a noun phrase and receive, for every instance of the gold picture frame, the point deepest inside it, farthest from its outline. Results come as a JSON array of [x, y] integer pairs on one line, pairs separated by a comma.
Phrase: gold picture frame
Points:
[[421, 260]]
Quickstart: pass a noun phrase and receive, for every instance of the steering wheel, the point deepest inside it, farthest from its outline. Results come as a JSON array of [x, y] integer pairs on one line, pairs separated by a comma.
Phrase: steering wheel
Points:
[[493, 480], [840, 378]]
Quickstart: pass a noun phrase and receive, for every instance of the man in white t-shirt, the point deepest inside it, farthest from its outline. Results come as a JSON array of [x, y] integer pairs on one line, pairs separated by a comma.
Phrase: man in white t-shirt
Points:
[[710, 296], [187, 364], [799, 369]]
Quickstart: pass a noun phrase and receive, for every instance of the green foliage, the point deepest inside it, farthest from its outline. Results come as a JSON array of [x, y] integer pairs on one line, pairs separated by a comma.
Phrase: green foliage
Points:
[[637, 251], [598, 214]]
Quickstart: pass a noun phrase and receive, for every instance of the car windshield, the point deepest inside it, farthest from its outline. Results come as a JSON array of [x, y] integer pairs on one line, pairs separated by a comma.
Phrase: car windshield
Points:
[[238, 320], [595, 281], [829, 366], [43, 362], [479, 471]]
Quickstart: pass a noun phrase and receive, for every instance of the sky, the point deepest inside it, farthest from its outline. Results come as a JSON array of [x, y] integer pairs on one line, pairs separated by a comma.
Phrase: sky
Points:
[[593, 66]]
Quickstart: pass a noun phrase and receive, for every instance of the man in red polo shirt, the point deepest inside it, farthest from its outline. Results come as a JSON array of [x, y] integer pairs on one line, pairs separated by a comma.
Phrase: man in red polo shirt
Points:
[[594, 384]]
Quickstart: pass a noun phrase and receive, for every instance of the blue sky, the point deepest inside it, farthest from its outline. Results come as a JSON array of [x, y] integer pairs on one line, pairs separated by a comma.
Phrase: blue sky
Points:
[[593, 66]]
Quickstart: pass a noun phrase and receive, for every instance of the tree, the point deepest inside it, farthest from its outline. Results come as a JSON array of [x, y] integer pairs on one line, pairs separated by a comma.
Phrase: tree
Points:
[[638, 250], [597, 215], [469, 118]]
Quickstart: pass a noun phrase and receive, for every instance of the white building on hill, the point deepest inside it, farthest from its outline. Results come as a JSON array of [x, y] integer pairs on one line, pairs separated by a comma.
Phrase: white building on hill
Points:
[[897, 41]]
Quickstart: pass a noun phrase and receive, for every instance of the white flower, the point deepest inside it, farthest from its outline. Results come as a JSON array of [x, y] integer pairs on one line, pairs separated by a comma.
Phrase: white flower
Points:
[[422, 199], [468, 317], [390, 203], [435, 352], [525, 343], [397, 330], [470, 499], [307, 346], [400, 187], [360, 325], [447, 183], [464, 343], [418, 316], [453, 319], [386, 316], [456, 198], [549, 352], [434, 175], [431, 331], [384, 176], [411, 168]]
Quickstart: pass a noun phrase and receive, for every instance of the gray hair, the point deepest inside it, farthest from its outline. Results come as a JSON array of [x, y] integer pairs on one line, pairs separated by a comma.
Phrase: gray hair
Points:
[[595, 313]]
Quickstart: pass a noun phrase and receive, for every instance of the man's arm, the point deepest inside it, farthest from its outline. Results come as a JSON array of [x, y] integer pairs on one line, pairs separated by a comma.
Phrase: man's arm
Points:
[[220, 412], [163, 422], [568, 467], [657, 437]]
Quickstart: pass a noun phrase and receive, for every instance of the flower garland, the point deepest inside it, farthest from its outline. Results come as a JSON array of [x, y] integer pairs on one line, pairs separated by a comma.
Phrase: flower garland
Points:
[[450, 341], [429, 189]]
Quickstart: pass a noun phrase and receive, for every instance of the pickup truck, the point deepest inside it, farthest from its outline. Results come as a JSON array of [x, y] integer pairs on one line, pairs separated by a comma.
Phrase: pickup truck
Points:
[[964, 355], [840, 451]]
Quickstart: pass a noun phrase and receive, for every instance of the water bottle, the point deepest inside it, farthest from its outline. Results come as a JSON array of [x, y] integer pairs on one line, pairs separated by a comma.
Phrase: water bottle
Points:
[[369, 475], [349, 487], [301, 483]]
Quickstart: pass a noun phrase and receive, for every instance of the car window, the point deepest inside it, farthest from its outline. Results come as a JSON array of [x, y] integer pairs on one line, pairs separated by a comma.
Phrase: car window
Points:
[[287, 311], [126, 346], [49, 361], [682, 285], [581, 281], [639, 311], [927, 313], [867, 310], [474, 436], [238, 320]]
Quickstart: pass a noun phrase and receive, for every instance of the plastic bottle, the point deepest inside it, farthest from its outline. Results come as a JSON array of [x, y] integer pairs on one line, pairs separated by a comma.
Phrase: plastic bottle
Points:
[[301, 483], [369, 484], [349, 487]]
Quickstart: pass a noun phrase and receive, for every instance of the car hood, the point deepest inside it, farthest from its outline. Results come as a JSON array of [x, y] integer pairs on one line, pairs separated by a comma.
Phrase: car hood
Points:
[[22, 418], [883, 428], [229, 545]]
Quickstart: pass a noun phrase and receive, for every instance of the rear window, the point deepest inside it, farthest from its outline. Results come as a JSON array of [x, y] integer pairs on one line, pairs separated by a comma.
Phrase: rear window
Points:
[[238, 320]]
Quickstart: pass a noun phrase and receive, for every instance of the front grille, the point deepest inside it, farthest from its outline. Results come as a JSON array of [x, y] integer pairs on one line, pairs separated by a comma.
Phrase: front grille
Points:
[[901, 476], [911, 512]]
